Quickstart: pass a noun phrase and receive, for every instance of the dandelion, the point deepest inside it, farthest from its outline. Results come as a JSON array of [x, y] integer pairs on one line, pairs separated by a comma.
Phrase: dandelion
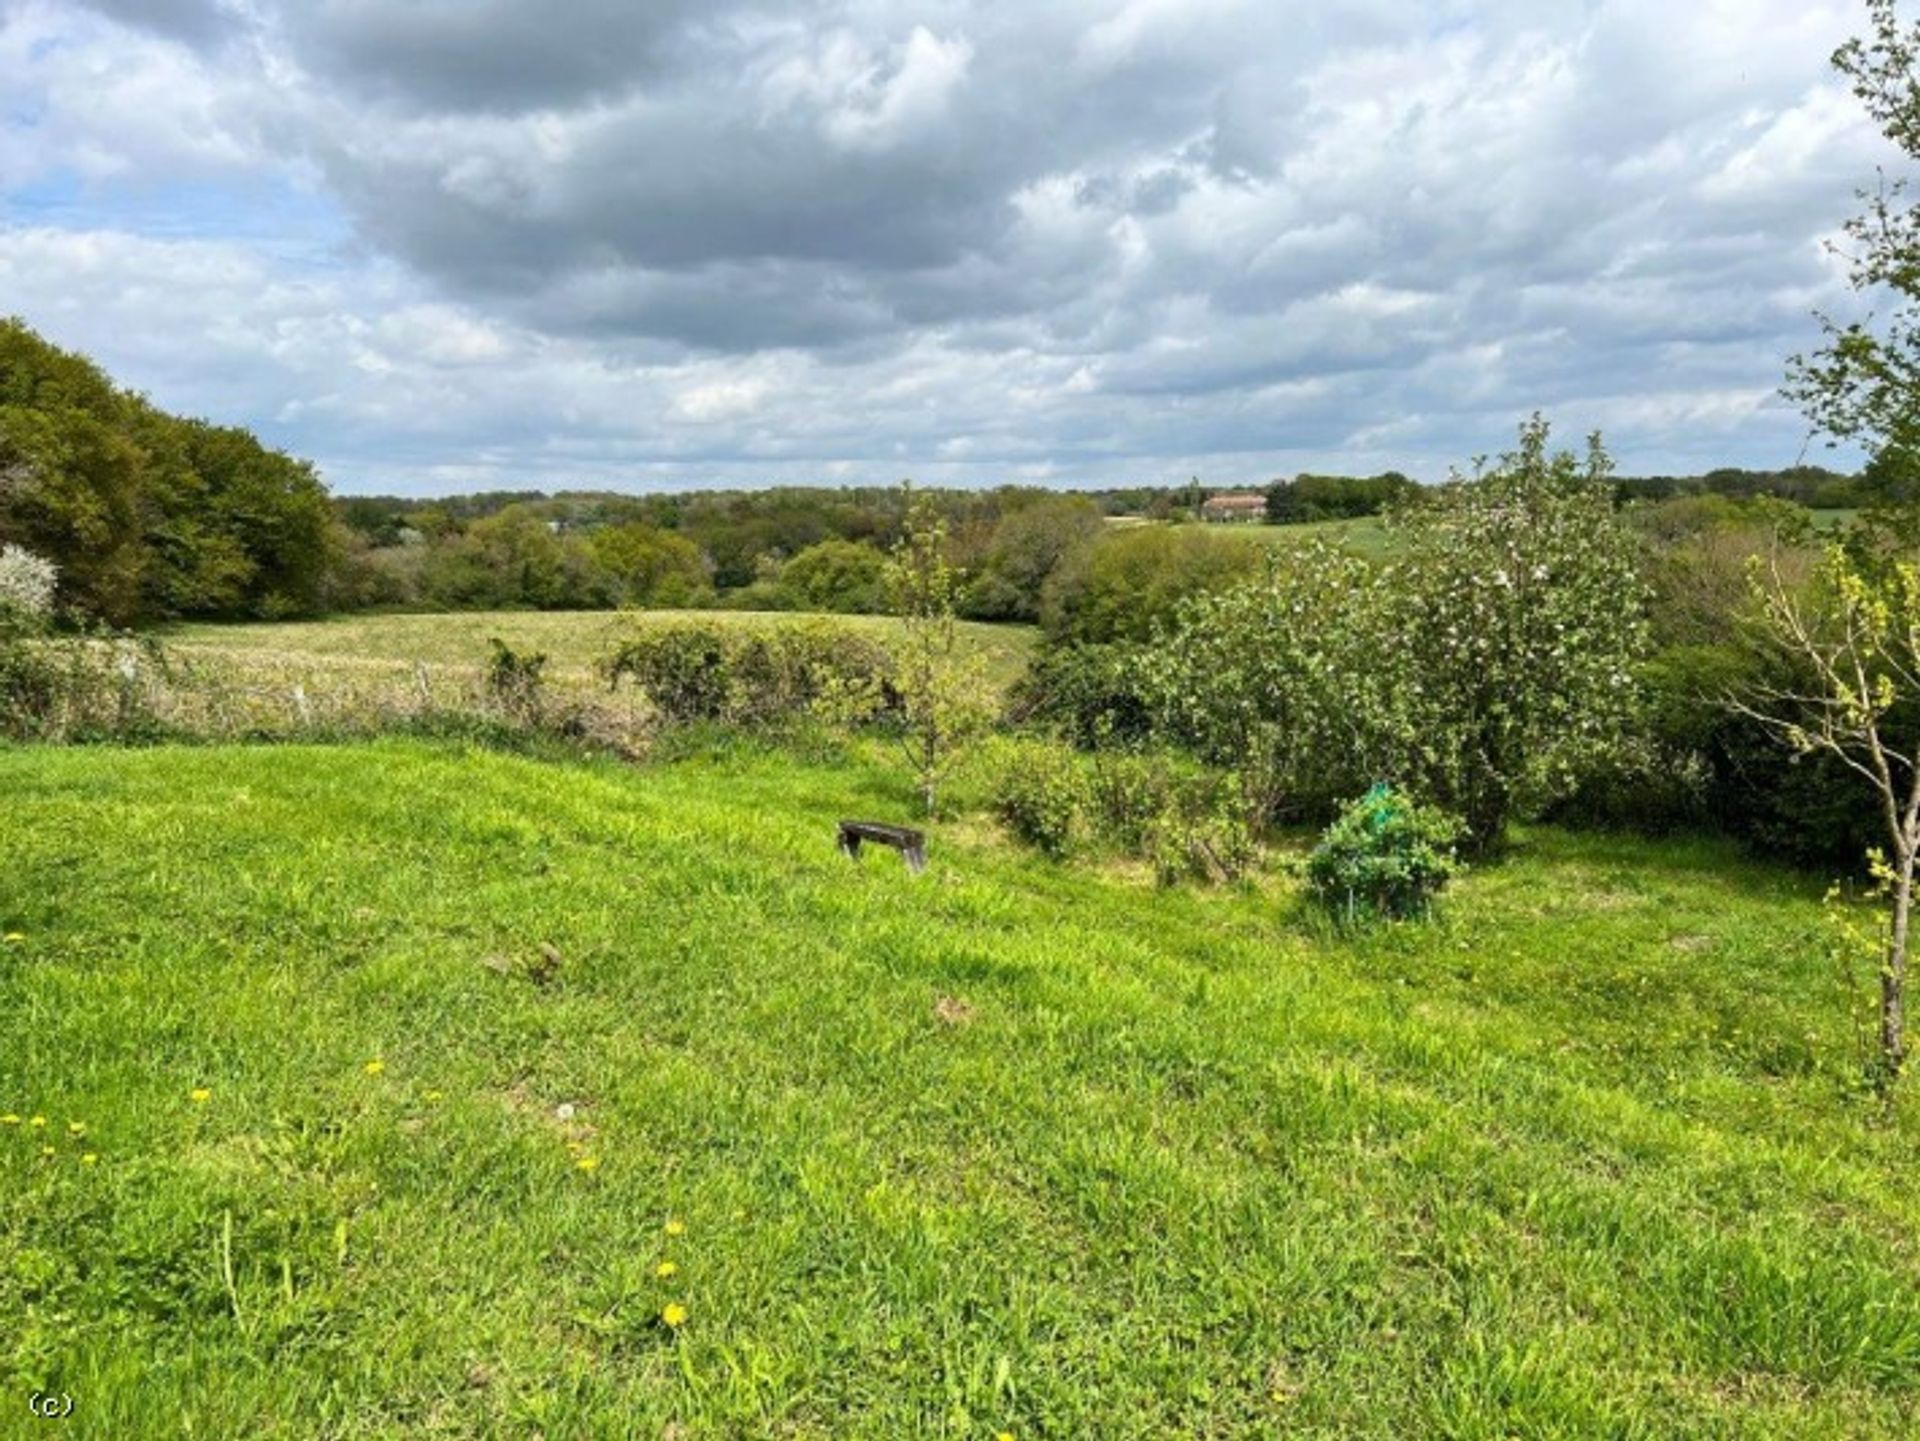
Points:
[[433, 1096], [674, 1314], [37, 1122], [92, 1158], [374, 1067], [666, 1269], [587, 1163], [676, 1227], [200, 1095], [46, 1150], [14, 938], [10, 1119], [76, 1128]]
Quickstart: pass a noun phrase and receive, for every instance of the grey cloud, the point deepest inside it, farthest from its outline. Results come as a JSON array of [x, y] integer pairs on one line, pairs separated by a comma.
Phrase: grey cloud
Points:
[[487, 55], [1090, 234], [197, 22]]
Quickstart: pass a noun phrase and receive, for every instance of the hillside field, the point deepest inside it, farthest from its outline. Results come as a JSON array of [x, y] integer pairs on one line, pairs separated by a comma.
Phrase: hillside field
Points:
[[407, 1089], [573, 641]]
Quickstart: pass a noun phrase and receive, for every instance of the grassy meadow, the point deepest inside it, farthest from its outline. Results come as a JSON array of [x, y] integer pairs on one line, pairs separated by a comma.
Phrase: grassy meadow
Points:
[[409, 1089], [573, 641]]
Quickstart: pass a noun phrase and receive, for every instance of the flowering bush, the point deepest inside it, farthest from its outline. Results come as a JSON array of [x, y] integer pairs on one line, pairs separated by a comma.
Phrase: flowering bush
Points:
[[1485, 665], [26, 589], [1384, 856]]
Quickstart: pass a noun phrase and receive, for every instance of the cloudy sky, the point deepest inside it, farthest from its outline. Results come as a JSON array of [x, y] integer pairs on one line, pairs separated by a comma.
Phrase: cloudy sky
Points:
[[440, 245]]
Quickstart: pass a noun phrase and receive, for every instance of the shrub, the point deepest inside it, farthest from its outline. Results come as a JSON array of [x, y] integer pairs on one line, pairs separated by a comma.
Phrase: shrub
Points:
[[26, 590], [1201, 832], [1093, 693], [1041, 794], [709, 671], [1384, 856], [1188, 822], [516, 682]]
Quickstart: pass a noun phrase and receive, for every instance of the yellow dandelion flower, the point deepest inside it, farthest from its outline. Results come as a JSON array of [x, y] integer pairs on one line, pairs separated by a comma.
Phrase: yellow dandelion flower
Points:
[[200, 1095], [666, 1269], [14, 938], [676, 1227], [587, 1163], [46, 1150], [435, 1095], [10, 1119], [76, 1128], [674, 1314], [374, 1067], [90, 1159], [38, 1121], [1004, 1436]]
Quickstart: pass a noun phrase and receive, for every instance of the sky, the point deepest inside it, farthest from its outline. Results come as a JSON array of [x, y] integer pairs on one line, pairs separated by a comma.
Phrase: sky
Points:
[[451, 245]]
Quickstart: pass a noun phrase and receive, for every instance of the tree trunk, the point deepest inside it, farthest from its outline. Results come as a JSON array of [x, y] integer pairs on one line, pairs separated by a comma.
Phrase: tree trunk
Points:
[[1893, 976]]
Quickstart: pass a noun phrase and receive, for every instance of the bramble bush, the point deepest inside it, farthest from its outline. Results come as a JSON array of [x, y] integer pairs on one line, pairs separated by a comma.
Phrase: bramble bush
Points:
[[1384, 856], [711, 671], [1189, 822]]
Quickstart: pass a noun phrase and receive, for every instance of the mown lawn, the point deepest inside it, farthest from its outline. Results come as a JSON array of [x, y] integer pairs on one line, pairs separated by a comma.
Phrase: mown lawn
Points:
[[573, 641], [1013, 1148]]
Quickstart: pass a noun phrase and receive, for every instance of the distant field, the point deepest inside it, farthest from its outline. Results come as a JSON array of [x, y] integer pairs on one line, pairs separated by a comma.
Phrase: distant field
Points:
[[572, 640], [1364, 536], [398, 1090]]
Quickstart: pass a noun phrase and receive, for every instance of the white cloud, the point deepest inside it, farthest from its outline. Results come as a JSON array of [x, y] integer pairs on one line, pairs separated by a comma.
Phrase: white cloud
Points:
[[1097, 239]]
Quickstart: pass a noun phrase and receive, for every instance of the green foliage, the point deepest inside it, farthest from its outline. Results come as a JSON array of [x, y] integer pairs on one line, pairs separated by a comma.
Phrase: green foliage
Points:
[[1483, 666], [708, 671], [1030, 545], [1040, 793], [1385, 856], [1134, 579], [643, 565], [837, 575], [1188, 822], [1094, 694], [147, 515], [1307, 499], [516, 681], [943, 701]]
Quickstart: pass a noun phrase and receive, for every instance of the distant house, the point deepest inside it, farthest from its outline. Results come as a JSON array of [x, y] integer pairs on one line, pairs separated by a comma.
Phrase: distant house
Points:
[[1241, 506]]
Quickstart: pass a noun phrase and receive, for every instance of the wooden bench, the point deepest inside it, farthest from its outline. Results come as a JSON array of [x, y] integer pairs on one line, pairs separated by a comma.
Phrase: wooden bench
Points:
[[911, 844]]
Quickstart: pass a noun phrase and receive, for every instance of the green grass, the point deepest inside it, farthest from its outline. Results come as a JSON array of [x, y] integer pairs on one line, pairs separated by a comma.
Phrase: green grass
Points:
[[573, 640], [1365, 536], [1012, 1147]]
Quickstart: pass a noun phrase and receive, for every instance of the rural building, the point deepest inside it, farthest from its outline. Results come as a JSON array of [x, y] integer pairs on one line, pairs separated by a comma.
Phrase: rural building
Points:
[[1244, 505]]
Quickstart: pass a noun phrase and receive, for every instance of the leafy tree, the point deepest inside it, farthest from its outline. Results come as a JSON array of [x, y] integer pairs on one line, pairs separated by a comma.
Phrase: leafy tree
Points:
[[1029, 545], [148, 515], [847, 576], [943, 693], [1482, 668], [1133, 580], [641, 564], [1864, 385], [1510, 634], [1852, 638]]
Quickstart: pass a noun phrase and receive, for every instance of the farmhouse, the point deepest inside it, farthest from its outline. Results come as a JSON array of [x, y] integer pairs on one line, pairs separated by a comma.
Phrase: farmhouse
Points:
[[1242, 505]]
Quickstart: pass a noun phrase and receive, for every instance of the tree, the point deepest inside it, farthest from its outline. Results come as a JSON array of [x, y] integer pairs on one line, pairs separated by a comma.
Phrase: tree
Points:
[[1483, 668], [942, 690], [848, 576], [1852, 637], [1511, 633], [1863, 387], [645, 565], [1029, 545]]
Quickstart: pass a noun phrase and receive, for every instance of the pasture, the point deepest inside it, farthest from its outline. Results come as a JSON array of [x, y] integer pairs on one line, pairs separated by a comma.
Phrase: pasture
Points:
[[411, 1089]]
